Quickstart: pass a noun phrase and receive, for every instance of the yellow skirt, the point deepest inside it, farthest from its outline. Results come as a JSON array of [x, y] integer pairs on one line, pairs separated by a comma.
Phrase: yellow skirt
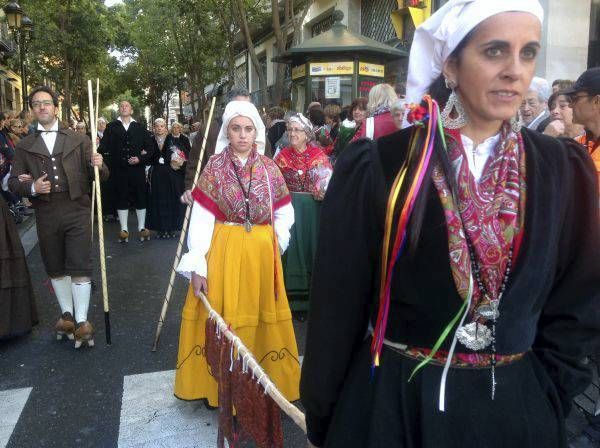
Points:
[[241, 289]]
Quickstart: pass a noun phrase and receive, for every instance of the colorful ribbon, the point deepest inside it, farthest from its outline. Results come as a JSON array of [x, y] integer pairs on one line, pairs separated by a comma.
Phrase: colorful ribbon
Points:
[[423, 154]]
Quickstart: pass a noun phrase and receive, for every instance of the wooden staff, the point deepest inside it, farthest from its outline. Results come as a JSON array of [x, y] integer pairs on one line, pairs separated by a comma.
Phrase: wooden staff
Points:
[[94, 137], [270, 389], [184, 229], [92, 210], [100, 222]]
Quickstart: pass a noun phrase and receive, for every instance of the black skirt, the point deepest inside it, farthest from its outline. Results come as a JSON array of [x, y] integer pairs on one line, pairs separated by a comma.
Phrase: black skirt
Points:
[[388, 411], [165, 210], [17, 303]]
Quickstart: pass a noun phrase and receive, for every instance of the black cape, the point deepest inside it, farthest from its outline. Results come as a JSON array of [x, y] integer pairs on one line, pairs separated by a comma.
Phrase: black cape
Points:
[[551, 310]]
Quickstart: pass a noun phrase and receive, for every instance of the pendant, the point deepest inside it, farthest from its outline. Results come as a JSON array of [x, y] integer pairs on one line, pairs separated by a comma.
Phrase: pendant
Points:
[[489, 311], [474, 336], [161, 161], [248, 226]]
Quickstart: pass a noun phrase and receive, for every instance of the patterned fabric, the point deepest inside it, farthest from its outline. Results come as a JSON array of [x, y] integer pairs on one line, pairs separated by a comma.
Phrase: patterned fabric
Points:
[[491, 212], [219, 190], [258, 416], [464, 360], [308, 171]]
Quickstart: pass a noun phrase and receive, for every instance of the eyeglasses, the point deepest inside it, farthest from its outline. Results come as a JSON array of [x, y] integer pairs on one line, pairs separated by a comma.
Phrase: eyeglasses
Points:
[[37, 104], [294, 130]]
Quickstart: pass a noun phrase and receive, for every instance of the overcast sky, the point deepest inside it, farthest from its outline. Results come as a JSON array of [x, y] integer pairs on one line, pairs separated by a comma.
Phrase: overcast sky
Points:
[[111, 2]]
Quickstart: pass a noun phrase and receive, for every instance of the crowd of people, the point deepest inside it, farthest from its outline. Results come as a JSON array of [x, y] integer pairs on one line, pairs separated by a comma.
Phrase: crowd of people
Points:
[[449, 254]]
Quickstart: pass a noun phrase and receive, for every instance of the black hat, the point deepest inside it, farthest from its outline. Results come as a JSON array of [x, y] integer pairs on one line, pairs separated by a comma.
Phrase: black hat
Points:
[[589, 82]]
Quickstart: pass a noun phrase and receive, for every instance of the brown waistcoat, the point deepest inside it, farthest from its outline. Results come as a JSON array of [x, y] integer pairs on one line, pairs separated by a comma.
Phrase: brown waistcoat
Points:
[[69, 167]]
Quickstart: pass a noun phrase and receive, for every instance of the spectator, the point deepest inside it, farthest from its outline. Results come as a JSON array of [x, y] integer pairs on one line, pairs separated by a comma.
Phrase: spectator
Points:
[[322, 137], [101, 126], [276, 125], [15, 128], [313, 105], [585, 102], [398, 111], [80, 128], [534, 108], [26, 117], [195, 128], [561, 116], [380, 122], [560, 85], [306, 169], [349, 126], [332, 119], [165, 210]]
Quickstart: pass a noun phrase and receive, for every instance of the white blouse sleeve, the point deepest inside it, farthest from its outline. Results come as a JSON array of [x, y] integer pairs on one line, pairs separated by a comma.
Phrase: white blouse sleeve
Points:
[[284, 220], [202, 224]]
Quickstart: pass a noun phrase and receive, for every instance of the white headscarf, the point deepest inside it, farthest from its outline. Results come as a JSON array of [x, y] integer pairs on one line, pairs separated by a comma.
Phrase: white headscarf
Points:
[[241, 109], [439, 35]]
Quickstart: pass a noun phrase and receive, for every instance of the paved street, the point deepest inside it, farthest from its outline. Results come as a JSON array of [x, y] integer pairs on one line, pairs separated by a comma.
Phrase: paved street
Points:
[[117, 396], [53, 396]]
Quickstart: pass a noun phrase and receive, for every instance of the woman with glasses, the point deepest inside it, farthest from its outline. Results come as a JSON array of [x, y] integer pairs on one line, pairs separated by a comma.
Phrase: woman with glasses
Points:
[[456, 287], [306, 170], [239, 225]]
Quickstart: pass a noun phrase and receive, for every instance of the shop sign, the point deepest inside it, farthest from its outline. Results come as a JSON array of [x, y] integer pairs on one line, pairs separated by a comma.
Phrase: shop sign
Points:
[[332, 87], [367, 69], [331, 68], [299, 71]]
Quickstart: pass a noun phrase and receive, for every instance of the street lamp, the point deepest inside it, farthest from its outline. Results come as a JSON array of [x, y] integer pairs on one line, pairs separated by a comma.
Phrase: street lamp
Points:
[[25, 33], [22, 28], [14, 14]]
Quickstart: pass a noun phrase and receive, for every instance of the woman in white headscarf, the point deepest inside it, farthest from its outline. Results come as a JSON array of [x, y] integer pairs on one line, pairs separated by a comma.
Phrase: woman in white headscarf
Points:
[[239, 225], [465, 248], [306, 170]]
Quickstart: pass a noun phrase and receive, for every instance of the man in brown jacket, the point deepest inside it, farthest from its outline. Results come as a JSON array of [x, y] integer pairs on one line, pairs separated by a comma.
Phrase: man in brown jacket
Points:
[[56, 168]]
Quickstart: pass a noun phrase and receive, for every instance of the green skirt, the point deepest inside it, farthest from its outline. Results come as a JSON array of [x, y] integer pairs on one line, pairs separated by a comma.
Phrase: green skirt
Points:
[[299, 257]]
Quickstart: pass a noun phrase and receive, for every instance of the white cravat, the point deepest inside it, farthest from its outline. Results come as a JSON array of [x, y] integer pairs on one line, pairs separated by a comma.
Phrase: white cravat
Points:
[[126, 125], [478, 156], [49, 137]]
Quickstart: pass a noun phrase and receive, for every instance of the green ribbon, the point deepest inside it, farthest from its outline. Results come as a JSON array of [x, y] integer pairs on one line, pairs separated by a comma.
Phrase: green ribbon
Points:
[[440, 341]]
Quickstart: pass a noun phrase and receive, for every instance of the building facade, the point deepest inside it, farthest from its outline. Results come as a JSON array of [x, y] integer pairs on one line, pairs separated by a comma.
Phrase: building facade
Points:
[[570, 40], [10, 82]]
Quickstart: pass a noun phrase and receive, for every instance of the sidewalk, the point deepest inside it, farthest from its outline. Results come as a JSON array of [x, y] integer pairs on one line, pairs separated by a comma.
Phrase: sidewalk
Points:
[[28, 233]]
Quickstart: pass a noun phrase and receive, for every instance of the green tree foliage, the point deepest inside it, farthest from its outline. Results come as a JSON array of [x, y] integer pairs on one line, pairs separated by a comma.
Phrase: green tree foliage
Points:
[[70, 46], [173, 44]]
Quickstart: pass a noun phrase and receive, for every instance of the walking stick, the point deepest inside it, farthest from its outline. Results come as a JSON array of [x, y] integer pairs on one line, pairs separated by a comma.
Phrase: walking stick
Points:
[[100, 222], [93, 206], [184, 229]]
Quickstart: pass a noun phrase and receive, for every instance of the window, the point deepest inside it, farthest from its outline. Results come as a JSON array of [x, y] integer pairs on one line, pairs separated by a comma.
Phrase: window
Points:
[[331, 89], [322, 25], [375, 21]]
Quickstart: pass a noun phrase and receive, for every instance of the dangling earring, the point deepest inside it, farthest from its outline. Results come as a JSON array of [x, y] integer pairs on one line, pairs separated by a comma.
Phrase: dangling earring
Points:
[[453, 104], [516, 122]]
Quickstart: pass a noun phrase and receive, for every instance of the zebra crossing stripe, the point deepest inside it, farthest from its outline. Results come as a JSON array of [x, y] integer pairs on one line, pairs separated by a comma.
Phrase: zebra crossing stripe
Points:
[[152, 417], [12, 402]]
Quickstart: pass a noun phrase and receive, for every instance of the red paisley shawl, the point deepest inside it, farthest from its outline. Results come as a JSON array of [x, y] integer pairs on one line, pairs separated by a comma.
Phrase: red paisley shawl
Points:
[[219, 190], [491, 211], [308, 171]]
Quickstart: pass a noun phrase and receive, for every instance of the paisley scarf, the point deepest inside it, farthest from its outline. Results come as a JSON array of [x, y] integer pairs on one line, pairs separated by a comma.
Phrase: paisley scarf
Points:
[[308, 171], [220, 192], [491, 211]]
